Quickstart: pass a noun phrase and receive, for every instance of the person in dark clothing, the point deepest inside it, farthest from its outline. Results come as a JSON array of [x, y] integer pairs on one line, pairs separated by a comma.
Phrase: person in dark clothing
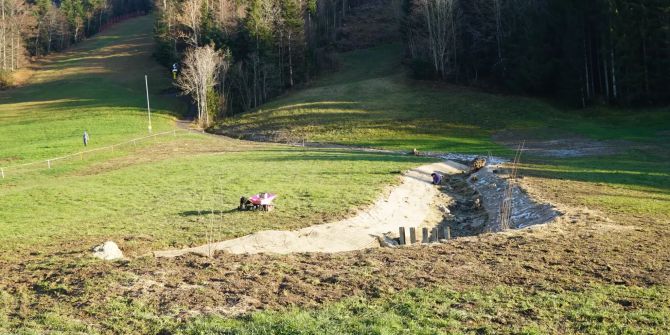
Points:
[[437, 178]]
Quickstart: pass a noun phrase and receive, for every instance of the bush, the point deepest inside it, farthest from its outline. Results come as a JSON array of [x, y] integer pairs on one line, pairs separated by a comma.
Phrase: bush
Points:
[[5, 81]]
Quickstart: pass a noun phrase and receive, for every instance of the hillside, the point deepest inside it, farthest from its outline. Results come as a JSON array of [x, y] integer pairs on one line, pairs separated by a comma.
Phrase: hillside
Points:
[[601, 267]]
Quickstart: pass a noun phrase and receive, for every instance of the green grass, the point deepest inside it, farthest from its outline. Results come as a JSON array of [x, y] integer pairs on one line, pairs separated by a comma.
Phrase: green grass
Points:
[[171, 200], [162, 193], [97, 86], [371, 103], [502, 310], [600, 309]]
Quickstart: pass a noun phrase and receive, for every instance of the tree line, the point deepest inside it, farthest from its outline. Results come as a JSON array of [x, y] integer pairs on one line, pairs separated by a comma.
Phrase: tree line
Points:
[[256, 49], [39, 27], [584, 52]]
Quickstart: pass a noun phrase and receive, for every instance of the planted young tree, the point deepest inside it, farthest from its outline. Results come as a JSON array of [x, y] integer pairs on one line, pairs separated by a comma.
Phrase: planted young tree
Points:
[[199, 76]]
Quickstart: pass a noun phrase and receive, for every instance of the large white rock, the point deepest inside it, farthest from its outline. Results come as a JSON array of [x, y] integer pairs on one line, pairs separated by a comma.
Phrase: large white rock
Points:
[[108, 251]]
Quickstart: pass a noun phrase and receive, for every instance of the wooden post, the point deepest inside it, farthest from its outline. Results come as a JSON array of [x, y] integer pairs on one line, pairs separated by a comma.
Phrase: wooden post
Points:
[[412, 235], [81, 155], [401, 232], [447, 233], [433, 236], [424, 235], [49, 163], [2, 171]]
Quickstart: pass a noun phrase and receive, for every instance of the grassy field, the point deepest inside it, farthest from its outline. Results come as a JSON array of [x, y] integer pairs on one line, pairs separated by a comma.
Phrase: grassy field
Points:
[[370, 103], [96, 86], [602, 269], [155, 194]]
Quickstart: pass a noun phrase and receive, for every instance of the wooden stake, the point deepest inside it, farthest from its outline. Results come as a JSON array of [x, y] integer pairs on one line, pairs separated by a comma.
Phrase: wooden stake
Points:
[[412, 235], [401, 232], [433, 236], [447, 233], [2, 171], [49, 163], [424, 233]]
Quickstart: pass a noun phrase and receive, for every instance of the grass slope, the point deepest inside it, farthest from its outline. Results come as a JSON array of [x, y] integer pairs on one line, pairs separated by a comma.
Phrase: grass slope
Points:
[[371, 103], [96, 86], [166, 192]]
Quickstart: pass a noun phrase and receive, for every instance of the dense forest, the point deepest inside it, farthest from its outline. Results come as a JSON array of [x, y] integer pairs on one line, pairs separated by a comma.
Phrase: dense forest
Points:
[[583, 52], [39, 27]]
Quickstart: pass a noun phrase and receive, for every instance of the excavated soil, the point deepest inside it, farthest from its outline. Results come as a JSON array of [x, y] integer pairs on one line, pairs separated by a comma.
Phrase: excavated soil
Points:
[[564, 146]]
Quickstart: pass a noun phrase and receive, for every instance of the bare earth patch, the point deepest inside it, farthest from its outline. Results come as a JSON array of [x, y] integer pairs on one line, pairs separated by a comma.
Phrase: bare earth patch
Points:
[[568, 145]]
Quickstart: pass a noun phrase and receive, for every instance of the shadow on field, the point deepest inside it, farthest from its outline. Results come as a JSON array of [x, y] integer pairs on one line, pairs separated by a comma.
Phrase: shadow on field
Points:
[[206, 212], [634, 170]]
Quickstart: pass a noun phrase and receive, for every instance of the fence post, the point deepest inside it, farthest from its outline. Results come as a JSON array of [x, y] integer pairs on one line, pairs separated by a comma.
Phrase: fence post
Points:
[[2, 171], [412, 235], [433, 236], [174, 132], [49, 163], [81, 155], [401, 232], [424, 235], [447, 233]]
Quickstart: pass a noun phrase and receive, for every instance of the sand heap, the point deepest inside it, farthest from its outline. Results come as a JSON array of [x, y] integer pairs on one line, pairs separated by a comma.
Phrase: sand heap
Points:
[[407, 205]]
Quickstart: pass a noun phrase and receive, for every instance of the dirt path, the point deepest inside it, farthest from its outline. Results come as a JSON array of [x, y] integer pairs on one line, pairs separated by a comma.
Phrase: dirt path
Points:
[[409, 205]]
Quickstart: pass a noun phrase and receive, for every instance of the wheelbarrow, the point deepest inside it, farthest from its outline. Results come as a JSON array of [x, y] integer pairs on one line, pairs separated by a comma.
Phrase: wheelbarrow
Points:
[[261, 201]]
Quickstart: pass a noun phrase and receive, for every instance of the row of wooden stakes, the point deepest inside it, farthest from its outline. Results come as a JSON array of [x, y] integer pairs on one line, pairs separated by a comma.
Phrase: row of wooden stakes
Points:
[[427, 236]]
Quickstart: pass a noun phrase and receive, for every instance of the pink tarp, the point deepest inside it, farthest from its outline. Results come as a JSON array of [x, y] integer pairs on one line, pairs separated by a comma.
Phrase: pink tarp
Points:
[[262, 199]]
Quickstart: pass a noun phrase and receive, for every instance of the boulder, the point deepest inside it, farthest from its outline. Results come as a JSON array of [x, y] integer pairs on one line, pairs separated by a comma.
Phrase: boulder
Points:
[[108, 251], [478, 164]]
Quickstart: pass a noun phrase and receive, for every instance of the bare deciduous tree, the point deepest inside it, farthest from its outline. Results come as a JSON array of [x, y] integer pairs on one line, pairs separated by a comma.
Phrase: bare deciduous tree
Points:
[[191, 17], [440, 18], [202, 67]]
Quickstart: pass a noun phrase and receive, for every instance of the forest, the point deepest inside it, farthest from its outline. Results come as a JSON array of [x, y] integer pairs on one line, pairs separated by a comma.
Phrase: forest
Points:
[[583, 52], [613, 52], [268, 46]]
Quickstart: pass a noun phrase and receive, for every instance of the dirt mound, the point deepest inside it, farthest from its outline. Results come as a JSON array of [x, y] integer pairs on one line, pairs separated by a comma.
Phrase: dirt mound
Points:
[[410, 205]]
